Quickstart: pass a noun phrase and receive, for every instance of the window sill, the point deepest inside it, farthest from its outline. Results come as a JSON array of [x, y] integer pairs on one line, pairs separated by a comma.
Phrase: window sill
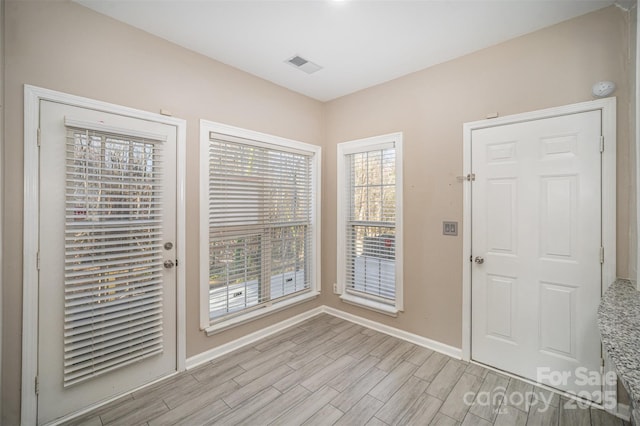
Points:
[[259, 313], [370, 304]]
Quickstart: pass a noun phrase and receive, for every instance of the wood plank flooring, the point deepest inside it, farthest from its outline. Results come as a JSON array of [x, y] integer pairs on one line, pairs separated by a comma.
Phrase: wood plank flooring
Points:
[[327, 371]]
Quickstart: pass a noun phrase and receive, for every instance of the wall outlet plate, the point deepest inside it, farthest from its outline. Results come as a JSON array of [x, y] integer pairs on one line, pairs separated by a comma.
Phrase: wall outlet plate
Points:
[[450, 228]]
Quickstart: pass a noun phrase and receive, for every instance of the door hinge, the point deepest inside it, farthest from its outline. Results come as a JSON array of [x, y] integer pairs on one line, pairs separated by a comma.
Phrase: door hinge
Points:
[[601, 143], [176, 263], [471, 258], [601, 254], [39, 137], [37, 385], [602, 366], [38, 260], [470, 177]]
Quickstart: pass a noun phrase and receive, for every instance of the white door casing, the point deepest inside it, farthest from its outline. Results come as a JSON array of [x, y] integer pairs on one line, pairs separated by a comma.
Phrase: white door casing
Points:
[[45, 193], [536, 222]]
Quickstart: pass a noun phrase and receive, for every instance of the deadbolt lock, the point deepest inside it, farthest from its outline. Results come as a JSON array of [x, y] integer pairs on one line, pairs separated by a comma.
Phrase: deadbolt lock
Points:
[[479, 260], [168, 245]]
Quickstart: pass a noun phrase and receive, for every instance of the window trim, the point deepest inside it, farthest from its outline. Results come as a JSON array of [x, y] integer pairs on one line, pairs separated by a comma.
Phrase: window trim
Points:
[[262, 139], [352, 147]]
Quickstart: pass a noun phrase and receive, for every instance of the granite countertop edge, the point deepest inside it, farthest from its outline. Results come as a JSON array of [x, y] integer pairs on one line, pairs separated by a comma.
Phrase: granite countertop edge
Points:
[[619, 324]]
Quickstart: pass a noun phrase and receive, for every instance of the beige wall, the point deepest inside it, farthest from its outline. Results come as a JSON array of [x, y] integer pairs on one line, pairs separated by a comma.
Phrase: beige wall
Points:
[[552, 67], [65, 47]]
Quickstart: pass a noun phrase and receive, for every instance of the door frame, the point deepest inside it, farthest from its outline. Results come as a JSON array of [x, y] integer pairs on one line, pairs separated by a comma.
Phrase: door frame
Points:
[[32, 97], [607, 107]]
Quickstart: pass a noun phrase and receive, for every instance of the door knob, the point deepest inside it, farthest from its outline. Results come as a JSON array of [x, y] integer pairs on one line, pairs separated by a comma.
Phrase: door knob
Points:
[[169, 264], [479, 260]]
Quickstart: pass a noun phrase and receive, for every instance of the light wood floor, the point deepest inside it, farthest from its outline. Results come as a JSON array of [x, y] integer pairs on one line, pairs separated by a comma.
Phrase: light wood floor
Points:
[[328, 371]]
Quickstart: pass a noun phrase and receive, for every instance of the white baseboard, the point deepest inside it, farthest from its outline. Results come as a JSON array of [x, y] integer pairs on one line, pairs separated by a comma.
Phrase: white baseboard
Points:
[[214, 353], [396, 332]]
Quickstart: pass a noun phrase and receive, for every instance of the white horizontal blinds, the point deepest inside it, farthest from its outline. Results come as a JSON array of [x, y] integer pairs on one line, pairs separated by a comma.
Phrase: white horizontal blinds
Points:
[[259, 223], [113, 264], [370, 224]]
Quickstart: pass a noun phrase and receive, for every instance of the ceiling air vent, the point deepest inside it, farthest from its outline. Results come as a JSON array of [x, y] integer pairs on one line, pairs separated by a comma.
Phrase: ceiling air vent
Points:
[[303, 64]]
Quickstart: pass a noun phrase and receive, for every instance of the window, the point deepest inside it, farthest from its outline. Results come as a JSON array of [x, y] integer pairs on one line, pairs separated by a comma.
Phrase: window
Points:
[[259, 220], [369, 222]]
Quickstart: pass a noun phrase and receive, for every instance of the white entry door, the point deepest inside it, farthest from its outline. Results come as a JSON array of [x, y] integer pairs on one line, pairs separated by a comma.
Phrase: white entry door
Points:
[[536, 244], [107, 285]]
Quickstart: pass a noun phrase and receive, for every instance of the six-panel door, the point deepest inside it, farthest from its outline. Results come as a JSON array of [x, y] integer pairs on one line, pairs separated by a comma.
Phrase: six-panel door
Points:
[[536, 221]]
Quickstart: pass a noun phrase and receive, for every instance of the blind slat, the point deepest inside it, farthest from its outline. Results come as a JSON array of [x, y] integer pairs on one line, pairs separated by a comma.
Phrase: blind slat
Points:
[[260, 231], [113, 252], [370, 224], [84, 350], [85, 331], [115, 309]]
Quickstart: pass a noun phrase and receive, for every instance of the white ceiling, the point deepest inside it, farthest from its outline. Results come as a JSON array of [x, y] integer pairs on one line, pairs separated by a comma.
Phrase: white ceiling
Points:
[[358, 43]]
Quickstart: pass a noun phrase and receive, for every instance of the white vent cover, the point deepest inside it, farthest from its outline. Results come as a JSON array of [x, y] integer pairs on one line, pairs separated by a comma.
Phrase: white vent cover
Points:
[[303, 64]]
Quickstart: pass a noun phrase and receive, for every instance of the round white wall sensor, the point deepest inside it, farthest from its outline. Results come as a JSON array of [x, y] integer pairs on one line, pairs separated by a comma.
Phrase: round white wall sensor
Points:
[[603, 88]]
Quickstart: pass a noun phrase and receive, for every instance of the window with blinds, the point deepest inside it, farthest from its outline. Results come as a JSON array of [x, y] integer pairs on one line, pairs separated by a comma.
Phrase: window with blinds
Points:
[[261, 230], [113, 260], [368, 215]]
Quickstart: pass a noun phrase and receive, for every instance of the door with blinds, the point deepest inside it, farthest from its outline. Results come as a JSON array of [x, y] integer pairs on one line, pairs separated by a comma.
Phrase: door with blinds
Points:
[[107, 281]]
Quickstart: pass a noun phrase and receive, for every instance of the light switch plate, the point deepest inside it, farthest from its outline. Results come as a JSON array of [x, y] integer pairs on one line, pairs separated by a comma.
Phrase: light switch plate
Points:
[[450, 228]]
